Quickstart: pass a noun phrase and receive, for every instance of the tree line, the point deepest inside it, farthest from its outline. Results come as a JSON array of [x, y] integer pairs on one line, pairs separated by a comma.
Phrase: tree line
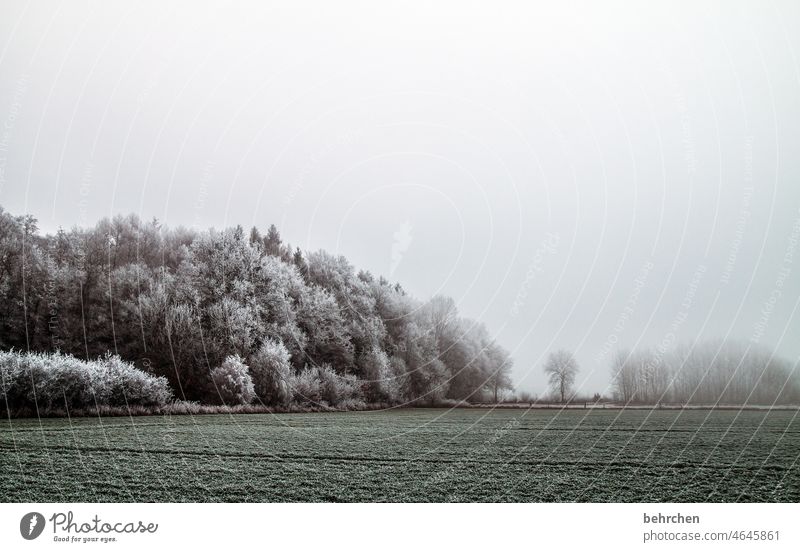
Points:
[[235, 317], [701, 373], [710, 372]]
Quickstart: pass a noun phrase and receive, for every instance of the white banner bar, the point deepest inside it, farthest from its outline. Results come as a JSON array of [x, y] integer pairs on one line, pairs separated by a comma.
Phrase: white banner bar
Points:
[[355, 527]]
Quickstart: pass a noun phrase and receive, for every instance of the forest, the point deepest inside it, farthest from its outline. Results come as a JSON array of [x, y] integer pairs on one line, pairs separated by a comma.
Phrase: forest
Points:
[[223, 317]]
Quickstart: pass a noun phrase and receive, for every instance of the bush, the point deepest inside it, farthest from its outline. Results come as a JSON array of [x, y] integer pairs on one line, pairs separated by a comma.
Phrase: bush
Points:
[[526, 397], [127, 385], [233, 382], [61, 381], [322, 385], [336, 388], [305, 386], [271, 370], [43, 383]]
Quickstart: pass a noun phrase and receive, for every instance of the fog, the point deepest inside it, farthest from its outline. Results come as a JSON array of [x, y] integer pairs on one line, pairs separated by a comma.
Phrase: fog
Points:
[[575, 176]]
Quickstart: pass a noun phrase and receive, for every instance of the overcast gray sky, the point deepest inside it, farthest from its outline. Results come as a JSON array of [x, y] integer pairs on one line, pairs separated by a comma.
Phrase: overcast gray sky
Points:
[[580, 175]]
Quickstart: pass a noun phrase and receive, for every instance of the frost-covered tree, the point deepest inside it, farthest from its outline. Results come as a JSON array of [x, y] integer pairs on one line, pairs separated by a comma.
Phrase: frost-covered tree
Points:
[[499, 378], [709, 372], [320, 317], [380, 384], [354, 297], [272, 241], [177, 303], [561, 369], [433, 377], [624, 377], [271, 371]]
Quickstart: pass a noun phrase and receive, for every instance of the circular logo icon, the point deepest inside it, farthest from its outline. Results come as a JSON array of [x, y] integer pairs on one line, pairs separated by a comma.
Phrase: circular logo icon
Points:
[[31, 525]]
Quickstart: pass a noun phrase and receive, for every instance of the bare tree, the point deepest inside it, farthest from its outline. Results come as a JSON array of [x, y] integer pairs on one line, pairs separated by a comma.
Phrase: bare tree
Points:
[[624, 377], [561, 368]]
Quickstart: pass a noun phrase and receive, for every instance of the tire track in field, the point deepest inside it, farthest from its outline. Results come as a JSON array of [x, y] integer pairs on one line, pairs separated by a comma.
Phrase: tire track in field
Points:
[[271, 457]]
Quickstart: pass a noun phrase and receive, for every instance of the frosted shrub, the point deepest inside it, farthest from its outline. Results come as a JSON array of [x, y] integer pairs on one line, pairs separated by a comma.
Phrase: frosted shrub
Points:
[[305, 386], [336, 388], [18, 374], [56, 381], [70, 383], [271, 372], [233, 382], [322, 385], [130, 386], [49, 381]]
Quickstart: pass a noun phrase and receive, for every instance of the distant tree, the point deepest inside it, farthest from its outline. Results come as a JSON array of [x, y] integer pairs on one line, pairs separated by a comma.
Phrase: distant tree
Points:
[[272, 241], [366, 276], [624, 377], [300, 262], [499, 368], [255, 236], [561, 369], [286, 254], [526, 397]]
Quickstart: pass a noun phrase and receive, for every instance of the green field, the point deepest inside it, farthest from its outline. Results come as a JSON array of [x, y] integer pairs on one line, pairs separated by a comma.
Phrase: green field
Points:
[[407, 455]]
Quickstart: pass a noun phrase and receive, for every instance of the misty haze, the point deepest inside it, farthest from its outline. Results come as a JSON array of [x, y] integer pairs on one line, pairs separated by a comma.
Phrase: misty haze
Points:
[[412, 253]]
